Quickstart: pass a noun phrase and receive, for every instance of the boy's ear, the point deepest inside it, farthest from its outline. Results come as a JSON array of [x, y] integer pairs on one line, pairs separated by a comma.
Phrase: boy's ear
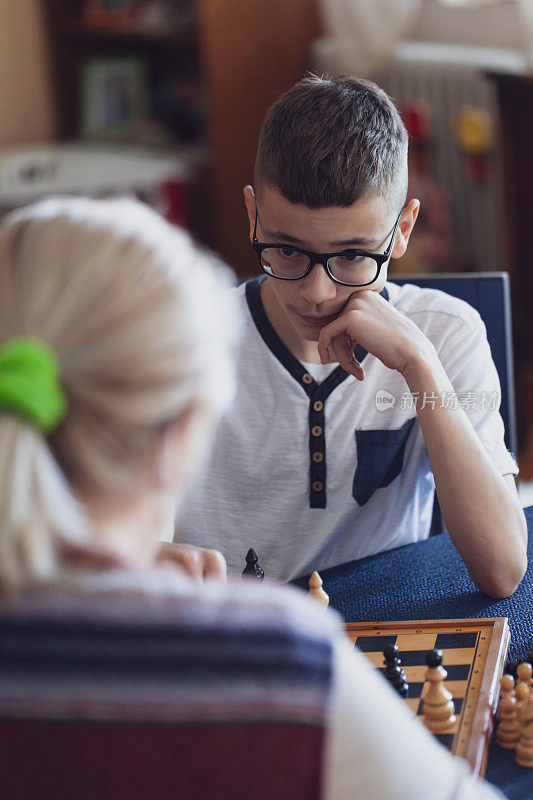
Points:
[[407, 223], [249, 199]]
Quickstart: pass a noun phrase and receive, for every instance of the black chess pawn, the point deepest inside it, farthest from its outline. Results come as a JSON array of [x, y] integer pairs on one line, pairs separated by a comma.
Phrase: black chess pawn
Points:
[[393, 670], [252, 568], [434, 658]]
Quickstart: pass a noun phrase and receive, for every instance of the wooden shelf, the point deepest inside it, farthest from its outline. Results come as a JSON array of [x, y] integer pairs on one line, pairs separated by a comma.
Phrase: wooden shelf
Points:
[[175, 37]]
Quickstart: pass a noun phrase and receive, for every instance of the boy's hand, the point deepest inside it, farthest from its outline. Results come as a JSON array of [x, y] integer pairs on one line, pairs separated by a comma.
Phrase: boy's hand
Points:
[[197, 562], [369, 320]]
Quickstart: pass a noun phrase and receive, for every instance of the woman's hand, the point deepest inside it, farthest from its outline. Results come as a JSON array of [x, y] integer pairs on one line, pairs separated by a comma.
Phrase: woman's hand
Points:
[[197, 562]]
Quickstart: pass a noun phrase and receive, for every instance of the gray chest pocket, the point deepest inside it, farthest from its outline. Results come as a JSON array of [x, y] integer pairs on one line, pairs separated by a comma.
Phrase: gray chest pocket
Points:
[[379, 459]]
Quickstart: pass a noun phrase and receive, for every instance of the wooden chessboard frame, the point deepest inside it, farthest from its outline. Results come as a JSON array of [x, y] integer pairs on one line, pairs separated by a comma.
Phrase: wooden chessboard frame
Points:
[[481, 698]]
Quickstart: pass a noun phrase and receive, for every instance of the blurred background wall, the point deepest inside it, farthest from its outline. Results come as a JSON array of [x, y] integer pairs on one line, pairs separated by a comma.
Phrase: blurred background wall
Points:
[[25, 86]]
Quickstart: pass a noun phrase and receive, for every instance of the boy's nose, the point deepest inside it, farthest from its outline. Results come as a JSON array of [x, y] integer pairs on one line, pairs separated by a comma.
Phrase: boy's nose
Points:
[[317, 286]]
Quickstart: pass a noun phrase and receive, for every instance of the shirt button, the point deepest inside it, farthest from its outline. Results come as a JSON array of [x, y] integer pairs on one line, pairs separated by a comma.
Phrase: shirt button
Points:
[[307, 378], [318, 405], [318, 486], [318, 457], [316, 430]]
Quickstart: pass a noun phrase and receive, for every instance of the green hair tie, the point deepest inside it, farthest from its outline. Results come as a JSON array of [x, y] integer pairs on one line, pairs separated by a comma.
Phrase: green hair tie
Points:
[[29, 383]]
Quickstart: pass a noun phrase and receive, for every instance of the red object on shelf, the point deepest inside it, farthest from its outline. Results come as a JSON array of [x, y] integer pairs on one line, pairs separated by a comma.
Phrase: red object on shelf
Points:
[[417, 119], [174, 203], [476, 167], [97, 12]]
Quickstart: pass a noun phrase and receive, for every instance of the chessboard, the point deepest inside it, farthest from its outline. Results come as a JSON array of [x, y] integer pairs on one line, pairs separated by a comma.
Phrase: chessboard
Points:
[[474, 653]]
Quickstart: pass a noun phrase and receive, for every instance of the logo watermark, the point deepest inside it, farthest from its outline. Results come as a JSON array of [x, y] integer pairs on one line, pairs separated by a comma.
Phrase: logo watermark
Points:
[[482, 401], [384, 400]]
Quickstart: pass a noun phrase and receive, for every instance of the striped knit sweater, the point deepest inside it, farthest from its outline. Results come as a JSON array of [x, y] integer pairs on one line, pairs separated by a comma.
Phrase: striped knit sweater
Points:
[[249, 674]]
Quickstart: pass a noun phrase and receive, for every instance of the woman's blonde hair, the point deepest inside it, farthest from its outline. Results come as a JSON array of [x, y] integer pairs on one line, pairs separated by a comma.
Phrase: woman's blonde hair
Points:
[[140, 322]]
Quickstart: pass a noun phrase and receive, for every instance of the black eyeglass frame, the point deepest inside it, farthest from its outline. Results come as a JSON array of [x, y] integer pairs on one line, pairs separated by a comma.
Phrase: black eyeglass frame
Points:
[[323, 258]]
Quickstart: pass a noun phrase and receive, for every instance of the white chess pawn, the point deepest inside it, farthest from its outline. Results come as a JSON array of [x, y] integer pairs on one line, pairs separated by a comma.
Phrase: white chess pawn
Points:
[[523, 674], [507, 686], [524, 748], [438, 709], [316, 591], [522, 693], [509, 725]]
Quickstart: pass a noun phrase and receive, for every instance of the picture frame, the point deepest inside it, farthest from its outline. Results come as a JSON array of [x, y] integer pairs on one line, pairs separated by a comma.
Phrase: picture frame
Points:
[[114, 96], [109, 12]]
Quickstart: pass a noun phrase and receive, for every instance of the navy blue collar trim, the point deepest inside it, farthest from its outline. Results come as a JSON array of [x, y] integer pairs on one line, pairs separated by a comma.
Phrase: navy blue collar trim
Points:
[[283, 354]]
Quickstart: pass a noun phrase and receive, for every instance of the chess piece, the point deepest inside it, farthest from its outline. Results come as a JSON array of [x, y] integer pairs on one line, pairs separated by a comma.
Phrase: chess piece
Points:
[[510, 668], [252, 568], [529, 660], [524, 748], [316, 591], [523, 674], [438, 709], [522, 693], [509, 725], [393, 670], [507, 686]]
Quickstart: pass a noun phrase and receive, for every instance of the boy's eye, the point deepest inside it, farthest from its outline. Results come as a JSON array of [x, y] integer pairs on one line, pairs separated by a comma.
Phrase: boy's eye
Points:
[[287, 252], [350, 258]]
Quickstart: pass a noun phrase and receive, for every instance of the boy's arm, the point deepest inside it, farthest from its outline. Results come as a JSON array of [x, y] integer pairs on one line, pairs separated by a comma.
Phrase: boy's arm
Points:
[[479, 505]]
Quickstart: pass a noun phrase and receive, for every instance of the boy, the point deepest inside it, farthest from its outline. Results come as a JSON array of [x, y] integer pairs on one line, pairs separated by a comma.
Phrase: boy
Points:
[[348, 407]]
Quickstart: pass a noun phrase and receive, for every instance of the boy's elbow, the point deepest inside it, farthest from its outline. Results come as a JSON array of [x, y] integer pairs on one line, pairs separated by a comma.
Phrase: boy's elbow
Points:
[[505, 574], [502, 582]]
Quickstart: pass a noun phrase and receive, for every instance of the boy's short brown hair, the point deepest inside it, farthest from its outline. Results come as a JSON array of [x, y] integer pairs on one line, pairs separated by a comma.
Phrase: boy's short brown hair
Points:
[[332, 141]]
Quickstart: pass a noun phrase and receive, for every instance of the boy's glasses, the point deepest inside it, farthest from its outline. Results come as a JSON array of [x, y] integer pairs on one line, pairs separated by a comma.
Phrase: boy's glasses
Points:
[[349, 268]]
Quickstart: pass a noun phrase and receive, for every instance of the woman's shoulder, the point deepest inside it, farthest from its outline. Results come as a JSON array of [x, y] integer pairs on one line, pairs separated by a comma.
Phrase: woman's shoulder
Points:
[[238, 650], [167, 596]]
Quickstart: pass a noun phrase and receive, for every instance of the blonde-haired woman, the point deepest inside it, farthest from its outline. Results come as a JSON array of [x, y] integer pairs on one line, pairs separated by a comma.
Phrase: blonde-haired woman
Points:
[[115, 338], [127, 309]]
